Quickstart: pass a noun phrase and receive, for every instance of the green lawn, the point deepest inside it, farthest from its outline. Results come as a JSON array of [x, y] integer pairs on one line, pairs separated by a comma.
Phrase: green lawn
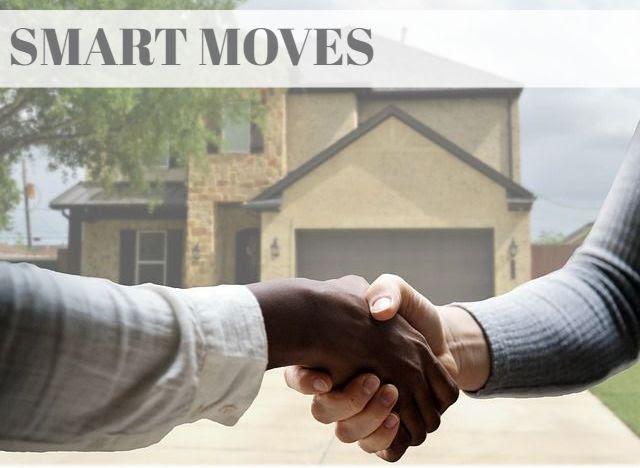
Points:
[[621, 394]]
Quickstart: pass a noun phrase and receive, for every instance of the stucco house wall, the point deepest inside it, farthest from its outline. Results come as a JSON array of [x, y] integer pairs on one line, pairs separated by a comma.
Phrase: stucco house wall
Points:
[[315, 120], [393, 177], [480, 125]]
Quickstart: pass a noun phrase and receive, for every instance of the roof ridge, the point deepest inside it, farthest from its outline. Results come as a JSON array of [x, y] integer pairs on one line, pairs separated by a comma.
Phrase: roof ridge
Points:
[[514, 189]]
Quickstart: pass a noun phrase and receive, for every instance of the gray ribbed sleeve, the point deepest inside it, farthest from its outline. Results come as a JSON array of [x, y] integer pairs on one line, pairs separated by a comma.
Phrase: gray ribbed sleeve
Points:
[[574, 327]]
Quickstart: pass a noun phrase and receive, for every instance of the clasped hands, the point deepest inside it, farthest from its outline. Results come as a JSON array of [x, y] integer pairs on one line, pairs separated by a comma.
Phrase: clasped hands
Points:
[[384, 379]]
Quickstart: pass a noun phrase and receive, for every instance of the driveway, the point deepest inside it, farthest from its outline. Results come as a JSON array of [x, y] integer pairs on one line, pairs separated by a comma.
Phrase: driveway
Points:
[[279, 429]]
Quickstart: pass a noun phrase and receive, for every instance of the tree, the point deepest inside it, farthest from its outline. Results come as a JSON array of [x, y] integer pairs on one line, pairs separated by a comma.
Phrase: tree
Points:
[[112, 132], [550, 237]]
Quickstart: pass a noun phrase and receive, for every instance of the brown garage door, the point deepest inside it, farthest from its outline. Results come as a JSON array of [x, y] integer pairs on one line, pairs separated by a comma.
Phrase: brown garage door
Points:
[[444, 264]]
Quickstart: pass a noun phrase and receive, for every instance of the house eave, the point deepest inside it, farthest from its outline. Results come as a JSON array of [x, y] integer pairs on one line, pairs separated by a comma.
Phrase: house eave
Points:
[[271, 204], [520, 204]]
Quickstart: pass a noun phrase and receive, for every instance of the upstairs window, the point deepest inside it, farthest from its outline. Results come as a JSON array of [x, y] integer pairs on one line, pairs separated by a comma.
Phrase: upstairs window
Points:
[[165, 160], [236, 134], [239, 135]]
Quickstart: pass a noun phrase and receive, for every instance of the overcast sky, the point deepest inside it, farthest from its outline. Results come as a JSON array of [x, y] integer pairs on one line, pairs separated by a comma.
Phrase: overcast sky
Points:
[[572, 143]]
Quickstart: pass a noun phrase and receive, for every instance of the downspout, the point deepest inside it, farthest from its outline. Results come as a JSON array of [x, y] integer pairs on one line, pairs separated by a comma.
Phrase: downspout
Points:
[[510, 137]]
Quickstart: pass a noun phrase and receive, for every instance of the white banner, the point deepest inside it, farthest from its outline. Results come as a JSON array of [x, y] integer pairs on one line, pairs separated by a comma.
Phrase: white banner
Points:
[[346, 48]]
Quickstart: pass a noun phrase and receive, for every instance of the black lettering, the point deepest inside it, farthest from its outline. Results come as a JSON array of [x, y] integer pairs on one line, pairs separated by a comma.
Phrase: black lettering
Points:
[[290, 43], [24, 46], [103, 49], [359, 45], [142, 46], [250, 47], [324, 46], [170, 44], [230, 41]]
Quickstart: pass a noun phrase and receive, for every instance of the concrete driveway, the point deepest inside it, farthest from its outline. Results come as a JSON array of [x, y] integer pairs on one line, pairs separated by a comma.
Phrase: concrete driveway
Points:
[[279, 429]]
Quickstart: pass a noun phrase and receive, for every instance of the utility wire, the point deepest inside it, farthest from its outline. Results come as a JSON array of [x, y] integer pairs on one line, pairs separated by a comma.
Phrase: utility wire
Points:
[[568, 206]]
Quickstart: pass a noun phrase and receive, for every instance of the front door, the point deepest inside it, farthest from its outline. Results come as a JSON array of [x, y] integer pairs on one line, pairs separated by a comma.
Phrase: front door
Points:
[[248, 256]]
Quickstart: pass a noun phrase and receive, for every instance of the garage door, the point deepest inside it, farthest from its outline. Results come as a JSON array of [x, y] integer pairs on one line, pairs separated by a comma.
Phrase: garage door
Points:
[[446, 265]]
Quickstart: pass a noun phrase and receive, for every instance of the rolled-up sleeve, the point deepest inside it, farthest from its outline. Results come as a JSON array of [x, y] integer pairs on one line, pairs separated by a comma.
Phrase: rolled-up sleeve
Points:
[[87, 364]]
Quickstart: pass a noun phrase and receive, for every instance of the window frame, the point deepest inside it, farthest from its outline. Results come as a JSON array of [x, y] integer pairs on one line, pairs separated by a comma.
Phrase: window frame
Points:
[[223, 140], [163, 262]]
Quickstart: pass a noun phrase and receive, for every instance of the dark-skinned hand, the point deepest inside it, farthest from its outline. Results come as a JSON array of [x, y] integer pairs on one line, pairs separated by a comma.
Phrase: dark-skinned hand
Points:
[[327, 325]]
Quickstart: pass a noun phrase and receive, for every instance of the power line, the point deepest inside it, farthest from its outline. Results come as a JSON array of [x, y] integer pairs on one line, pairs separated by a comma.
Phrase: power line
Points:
[[568, 206]]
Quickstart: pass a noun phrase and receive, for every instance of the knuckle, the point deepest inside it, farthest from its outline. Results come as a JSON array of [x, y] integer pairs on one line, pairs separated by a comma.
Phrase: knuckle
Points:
[[356, 403], [319, 412], [368, 447], [452, 398], [454, 395], [418, 439], [344, 433], [434, 423], [395, 452], [387, 277]]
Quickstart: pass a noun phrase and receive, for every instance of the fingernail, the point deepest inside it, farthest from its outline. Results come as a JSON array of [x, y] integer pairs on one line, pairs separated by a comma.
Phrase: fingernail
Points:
[[320, 385], [388, 397], [391, 421], [380, 304], [370, 384]]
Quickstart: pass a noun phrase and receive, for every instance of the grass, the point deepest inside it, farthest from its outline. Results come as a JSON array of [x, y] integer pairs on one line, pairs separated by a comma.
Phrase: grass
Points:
[[621, 394]]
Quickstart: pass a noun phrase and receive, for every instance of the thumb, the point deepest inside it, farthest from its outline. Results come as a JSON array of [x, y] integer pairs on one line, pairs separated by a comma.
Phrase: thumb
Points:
[[385, 297]]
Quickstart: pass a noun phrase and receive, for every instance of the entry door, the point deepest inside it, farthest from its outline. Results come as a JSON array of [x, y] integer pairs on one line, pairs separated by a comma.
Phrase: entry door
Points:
[[444, 264], [248, 256]]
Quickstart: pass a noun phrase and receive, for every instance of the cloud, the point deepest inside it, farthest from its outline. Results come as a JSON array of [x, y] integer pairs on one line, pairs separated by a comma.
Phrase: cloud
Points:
[[573, 141]]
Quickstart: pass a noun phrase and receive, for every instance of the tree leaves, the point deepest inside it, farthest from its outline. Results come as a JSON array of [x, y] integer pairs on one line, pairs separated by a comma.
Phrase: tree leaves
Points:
[[112, 133]]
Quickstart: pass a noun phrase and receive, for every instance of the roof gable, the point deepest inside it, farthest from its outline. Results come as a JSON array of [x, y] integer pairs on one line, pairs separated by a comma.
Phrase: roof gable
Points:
[[519, 197]]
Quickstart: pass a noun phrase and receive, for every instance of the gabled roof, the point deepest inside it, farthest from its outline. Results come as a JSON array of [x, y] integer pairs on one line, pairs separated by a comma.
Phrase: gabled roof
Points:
[[87, 194], [517, 195], [579, 235]]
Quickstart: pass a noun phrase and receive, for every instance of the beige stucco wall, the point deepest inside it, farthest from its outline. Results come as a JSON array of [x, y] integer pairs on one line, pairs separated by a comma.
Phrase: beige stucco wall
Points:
[[101, 243], [477, 124], [315, 120], [515, 139], [395, 178]]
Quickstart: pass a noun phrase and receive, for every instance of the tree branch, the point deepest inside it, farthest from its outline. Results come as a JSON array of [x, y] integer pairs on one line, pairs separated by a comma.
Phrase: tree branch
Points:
[[9, 110]]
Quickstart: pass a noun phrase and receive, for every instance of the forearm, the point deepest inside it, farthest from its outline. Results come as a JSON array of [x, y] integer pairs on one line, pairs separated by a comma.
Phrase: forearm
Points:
[[286, 307], [90, 365], [574, 327]]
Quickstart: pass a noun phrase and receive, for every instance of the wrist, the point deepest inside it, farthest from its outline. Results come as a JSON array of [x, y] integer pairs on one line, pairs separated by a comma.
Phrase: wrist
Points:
[[468, 346], [285, 310]]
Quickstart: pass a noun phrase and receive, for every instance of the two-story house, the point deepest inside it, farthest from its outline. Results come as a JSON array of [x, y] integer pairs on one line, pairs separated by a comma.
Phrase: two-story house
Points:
[[419, 182]]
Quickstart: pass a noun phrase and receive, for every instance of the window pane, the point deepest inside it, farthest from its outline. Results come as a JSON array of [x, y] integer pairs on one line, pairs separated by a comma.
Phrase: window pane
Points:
[[151, 274], [151, 246], [236, 133]]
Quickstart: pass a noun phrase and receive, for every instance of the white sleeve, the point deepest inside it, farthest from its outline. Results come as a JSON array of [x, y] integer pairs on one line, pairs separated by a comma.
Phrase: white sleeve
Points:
[[87, 364]]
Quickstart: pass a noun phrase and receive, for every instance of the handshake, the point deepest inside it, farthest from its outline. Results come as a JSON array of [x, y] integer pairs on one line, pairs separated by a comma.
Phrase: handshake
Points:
[[385, 379]]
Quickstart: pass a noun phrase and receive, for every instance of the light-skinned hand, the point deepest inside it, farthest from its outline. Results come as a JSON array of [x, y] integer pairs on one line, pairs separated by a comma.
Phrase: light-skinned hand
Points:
[[455, 339]]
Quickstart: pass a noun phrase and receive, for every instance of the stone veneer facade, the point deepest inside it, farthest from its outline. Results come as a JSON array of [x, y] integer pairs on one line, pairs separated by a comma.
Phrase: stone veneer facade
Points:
[[229, 178]]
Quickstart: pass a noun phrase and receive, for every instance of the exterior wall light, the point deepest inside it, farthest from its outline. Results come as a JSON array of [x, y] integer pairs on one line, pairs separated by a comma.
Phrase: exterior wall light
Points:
[[513, 251], [275, 248], [195, 252]]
